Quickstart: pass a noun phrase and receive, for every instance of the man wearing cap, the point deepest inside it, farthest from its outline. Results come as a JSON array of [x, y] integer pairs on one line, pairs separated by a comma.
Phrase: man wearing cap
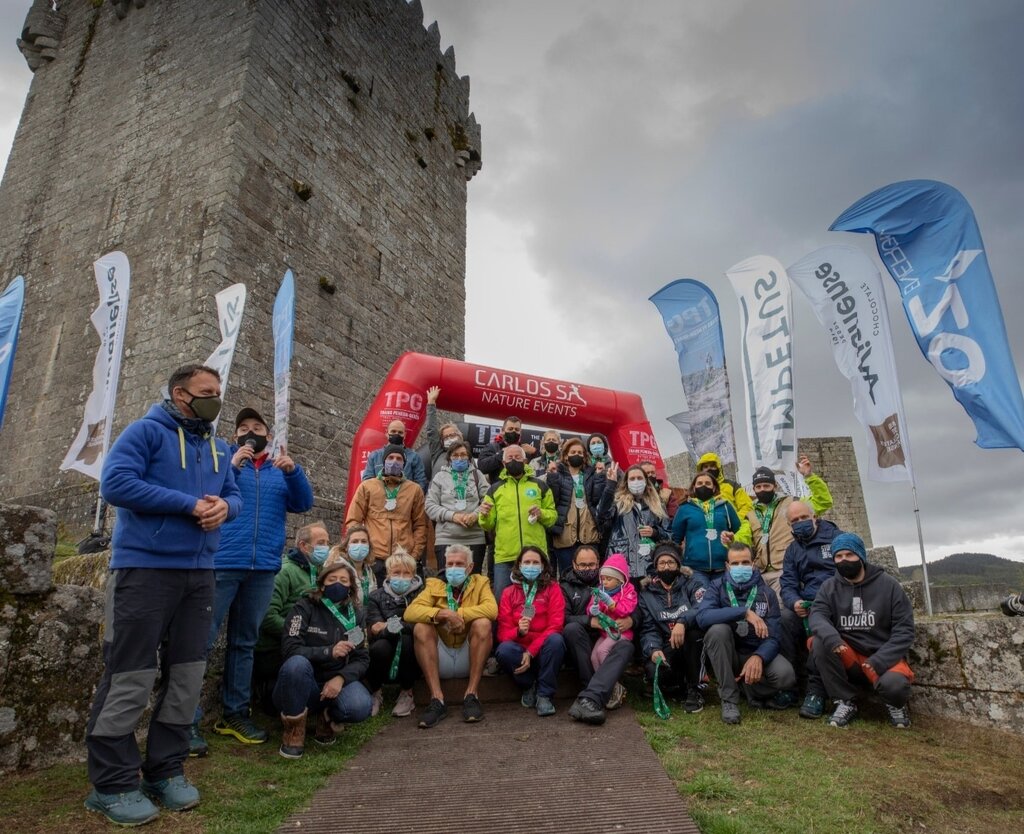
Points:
[[765, 527], [246, 563], [393, 509], [863, 627], [740, 618], [413, 464], [669, 633]]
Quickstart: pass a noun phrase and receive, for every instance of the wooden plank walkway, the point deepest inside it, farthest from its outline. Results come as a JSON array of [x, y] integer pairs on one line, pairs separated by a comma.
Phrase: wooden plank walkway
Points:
[[513, 772]]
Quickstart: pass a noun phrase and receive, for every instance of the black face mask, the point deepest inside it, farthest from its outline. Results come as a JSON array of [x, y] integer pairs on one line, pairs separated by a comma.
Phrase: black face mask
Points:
[[587, 577], [511, 438], [550, 447], [765, 496], [515, 468], [336, 592], [668, 576], [704, 493], [714, 473], [257, 441], [848, 570], [396, 439], [575, 460]]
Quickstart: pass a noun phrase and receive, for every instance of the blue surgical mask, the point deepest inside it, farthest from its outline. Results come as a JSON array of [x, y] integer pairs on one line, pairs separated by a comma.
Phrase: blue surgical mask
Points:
[[803, 530], [400, 585], [460, 465], [455, 576], [336, 593], [741, 573], [597, 448], [319, 554], [531, 572], [358, 551]]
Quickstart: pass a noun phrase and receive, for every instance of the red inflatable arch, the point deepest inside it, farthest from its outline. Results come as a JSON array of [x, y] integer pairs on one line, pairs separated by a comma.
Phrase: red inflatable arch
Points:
[[491, 392]]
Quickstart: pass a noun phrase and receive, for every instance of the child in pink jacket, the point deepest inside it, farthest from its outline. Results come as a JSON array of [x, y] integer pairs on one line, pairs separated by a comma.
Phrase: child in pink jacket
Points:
[[616, 598]]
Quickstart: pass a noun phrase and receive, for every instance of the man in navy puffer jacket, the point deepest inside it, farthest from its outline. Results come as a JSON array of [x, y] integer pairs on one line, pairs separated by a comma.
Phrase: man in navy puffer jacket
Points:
[[247, 562]]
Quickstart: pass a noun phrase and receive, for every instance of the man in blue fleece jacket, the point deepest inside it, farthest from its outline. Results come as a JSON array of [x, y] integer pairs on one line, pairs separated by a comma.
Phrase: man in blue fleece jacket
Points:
[[172, 484]]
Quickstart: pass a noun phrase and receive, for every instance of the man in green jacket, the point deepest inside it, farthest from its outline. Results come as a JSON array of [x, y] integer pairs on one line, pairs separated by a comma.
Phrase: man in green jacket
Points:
[[518, 508], [296, 576]]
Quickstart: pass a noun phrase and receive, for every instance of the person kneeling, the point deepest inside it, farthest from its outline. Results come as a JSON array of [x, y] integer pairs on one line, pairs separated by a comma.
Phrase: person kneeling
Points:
[[530, 619], [325, 659], [451, 620], [740, 618], [862, 627]]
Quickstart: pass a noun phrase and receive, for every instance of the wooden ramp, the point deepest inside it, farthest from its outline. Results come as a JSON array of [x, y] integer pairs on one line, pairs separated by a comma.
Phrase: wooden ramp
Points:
[[511, 773]]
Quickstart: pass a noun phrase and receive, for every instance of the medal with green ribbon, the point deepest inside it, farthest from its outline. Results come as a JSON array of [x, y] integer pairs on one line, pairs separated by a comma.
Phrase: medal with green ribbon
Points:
[[742, 627], [390, 495], [394, 626], [528, 610], [660, 706], [608, 625], [708, 509], [353, 633], [577, 481], [764, 518], [460, 480], [365, 582], [452, 604]]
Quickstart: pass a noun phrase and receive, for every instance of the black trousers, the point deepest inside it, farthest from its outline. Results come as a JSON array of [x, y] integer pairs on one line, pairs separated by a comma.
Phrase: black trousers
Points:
[[841, 684], [382, 654], [151, 615], [684, 664], [597, 686]]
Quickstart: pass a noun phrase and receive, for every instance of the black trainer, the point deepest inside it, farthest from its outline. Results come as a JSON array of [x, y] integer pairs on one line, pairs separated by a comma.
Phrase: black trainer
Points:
[[586, 711], [694, 702], [471, 711], [434, 714]]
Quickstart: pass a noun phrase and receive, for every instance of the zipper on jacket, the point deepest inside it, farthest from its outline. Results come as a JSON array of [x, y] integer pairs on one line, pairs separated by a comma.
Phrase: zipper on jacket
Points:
[[519, 516], [256, 522], [202, 492]]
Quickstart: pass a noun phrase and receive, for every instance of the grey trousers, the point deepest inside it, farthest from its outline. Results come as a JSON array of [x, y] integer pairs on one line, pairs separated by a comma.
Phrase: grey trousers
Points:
[[726, 662], [597, 686]]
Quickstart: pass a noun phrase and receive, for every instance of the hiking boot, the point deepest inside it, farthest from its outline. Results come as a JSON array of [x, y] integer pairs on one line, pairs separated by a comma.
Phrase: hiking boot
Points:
[[899, 717], [1013, 605], [434, 714], [491, 668], [783, 700], [405, 705], [175, 793], [587, 712], [529, 699], [324, 732], [618, 697], [544, 706], [241, 727], [197, 747], [813, 706], [730, 713], [471, 711], [694, 702], [128, 808], [293, 739], [378, 702], [844, 713]]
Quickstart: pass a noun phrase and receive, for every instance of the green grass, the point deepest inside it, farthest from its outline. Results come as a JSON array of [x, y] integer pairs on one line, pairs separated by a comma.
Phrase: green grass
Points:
[[246, 789], [778, 773]]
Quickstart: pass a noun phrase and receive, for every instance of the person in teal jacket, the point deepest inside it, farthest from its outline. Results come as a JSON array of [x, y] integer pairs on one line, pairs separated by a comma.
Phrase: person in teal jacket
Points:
[[698, 527]]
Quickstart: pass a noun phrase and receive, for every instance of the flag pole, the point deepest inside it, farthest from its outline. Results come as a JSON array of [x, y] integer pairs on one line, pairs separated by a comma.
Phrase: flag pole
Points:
[[920, 541]]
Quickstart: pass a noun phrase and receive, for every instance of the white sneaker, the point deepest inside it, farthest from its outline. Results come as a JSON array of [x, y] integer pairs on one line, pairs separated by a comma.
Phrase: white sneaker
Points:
[[378, 702], [406, 704], [618, 697]]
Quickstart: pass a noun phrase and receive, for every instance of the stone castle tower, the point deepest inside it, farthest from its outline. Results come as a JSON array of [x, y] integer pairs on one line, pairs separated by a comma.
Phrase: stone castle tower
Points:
[[218, 142]]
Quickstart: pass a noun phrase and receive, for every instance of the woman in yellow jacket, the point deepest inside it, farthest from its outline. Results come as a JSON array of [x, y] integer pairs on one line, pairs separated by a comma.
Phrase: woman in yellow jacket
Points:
[[727, 490]]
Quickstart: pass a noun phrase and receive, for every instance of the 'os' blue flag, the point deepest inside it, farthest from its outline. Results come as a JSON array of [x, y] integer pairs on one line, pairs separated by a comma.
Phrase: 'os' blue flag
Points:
[[11, 303], [929, 241], [691, 317]]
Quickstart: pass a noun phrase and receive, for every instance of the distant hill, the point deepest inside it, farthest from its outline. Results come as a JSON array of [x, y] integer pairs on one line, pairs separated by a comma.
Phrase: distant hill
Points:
[[971, 569]]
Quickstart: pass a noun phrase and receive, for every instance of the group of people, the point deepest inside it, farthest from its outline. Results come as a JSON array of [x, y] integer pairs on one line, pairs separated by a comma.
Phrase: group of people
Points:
[[545, 557]]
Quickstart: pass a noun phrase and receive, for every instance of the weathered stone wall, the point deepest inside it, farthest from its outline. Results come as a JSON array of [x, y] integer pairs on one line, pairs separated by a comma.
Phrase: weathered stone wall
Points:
[[50, 646], [223, 142]]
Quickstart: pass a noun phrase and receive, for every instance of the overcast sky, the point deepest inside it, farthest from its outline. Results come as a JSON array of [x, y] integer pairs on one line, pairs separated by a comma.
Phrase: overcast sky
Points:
[[626, 145]]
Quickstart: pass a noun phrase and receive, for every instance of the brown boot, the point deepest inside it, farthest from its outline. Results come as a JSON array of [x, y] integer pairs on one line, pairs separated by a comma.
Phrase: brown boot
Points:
[[324, 733], [293, 740]]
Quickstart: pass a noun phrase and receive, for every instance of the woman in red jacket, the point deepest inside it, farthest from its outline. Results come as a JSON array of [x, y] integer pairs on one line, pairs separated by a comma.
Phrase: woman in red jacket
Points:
[[530, 619]]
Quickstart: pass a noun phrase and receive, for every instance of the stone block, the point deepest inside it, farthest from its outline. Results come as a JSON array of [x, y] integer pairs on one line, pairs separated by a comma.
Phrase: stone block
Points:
[[886, 558], [28, 537]]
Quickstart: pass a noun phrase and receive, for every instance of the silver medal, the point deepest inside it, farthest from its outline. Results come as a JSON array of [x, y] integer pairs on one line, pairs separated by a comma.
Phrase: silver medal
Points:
[[356, 636], [390, 504], [394, 625], [742, 628], [580, 503], [712, 535], [529, 611], [644, 549], [460, 505]]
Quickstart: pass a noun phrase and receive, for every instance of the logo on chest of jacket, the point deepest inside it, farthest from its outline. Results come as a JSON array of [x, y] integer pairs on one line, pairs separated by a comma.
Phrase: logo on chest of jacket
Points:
[[826, 553], [314, 630], [531, 492], [761, 609]]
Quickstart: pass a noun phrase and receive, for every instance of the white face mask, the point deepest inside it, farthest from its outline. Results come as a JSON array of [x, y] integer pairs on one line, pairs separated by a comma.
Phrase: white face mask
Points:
[[637, 487], [448, 441]]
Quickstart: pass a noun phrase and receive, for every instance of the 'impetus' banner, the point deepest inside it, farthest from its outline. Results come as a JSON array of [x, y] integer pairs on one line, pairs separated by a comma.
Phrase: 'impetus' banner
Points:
[[766, 316], [283, 328], [929, 241], [846, 293], [230, 307], [113, 278], [690, 312], [11, 303]]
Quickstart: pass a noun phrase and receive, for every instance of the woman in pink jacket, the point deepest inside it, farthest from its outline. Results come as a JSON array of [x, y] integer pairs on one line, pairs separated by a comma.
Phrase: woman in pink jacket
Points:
[[530, 619]]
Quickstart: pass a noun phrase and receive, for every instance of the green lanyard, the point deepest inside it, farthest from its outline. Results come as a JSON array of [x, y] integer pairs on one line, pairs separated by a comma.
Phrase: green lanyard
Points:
[[312, 577], [607, 623], [365, 581], [578, 485], [660, 707], [709, 514], [348, 622], [396, 659], [732, 597], [531, 595], [452, 604], [764, 517], [460, 479]]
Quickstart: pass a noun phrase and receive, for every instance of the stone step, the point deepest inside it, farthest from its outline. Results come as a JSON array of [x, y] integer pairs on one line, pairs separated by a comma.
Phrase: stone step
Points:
[[500, 689]]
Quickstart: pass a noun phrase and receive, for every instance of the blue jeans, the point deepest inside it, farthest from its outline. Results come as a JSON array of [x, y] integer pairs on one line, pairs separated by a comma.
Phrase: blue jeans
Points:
[[297, 689], [562, 559], [543, 668], [502, 577], [706, 576], [243, 596]]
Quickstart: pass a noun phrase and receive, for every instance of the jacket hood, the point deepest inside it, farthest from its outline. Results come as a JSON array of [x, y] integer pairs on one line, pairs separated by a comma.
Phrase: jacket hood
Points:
[[417, 585], [295, 555], [617, 562], [156, 412], [710, 457]]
